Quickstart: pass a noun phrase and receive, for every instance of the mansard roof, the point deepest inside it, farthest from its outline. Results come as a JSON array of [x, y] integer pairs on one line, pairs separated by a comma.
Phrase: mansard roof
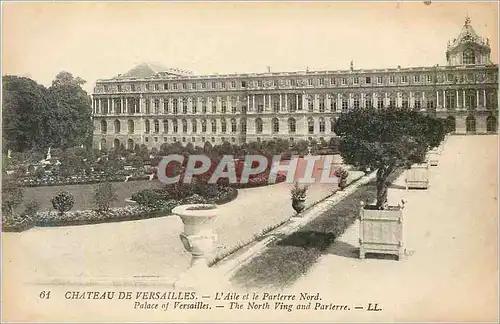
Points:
[[148, 70], [468, 35]]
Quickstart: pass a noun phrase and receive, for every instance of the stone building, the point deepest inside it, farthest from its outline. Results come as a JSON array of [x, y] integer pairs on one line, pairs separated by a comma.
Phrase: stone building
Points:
[[153, 105]]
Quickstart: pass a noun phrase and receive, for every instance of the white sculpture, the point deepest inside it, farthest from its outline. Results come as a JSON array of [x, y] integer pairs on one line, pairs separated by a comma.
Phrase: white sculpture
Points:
[[127, 177], [48, 155], [9, 152]]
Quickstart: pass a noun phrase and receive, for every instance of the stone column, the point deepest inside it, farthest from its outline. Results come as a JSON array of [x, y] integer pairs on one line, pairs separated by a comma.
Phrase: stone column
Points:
[[437, 100], [253, 102], [281, 104], [248, 103], [477, 98], [100, 105], [286, 102], [121, 105], [458, 105], [484, 98], [444, 99], [460, 125], [264, 101], [362, 103], [110, 106], [270, 103]]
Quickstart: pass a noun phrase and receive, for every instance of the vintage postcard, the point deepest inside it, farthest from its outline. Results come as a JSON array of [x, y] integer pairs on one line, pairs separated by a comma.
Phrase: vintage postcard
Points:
[[250, 161]]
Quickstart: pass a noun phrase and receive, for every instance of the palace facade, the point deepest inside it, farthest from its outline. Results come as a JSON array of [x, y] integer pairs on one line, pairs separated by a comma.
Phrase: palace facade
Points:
[[153, 105]]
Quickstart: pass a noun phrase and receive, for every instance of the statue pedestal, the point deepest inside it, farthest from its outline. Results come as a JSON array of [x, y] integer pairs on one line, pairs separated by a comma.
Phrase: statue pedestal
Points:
[[198, 239]]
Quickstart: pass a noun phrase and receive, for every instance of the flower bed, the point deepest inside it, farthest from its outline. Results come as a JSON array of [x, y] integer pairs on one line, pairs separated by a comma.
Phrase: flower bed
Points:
[[16, 223], [76, 181]]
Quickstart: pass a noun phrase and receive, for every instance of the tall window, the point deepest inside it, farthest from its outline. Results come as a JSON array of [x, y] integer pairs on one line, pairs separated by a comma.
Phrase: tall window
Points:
[[368, 102], [223, 126], [165, 126], [276, 125], [344, 104], [194, 126], [184, 106], [417, 103], [214, 126], [332, 124], [157, 106], [310, 104], [356, 103], [147, 126], [104, 126], [203, 126], [380, 103], [118, 126], [175, 125], [310, 125], [321, 104], [223, 106], [405, 103], [148, 107], [292, 125], [131, 126], [276, 106], [469, 57], [243, 125], [175, 103], [258, 126], [194, 106], [204, 107], [184, 126], [157, 126], [233, 125], [321, 125], [333, 104]]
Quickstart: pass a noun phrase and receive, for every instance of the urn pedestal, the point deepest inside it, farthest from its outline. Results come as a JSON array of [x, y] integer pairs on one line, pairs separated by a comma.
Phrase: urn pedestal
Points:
[[432, 157], [198, 239], [298, 205]]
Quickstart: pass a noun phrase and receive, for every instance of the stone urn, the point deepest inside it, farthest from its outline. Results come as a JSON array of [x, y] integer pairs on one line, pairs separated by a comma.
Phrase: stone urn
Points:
[[298, 204], [198, 239]]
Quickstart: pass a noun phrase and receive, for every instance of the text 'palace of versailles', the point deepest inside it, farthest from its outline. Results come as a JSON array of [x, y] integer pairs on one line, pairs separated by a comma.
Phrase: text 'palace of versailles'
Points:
[[152, 105]]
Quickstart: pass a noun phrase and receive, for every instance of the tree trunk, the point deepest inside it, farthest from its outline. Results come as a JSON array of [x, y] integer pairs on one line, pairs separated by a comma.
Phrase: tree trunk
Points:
[[381, 193]]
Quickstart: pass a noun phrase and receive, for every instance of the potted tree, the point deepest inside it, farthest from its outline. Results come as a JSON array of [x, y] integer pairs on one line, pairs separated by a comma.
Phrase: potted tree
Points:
[[298, 197], [342, 175], [385, 140]]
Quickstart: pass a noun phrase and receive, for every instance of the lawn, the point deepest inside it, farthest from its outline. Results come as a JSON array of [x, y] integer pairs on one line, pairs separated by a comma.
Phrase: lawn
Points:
[[284, 261], [83, 193]]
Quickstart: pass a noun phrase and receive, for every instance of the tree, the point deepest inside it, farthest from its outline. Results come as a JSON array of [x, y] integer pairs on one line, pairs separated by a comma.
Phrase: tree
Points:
[[386, 139], [63, 201]]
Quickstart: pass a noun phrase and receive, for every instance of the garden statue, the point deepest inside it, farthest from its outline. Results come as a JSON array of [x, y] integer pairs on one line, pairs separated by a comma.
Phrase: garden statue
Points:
[[48, 155], [9, 152]]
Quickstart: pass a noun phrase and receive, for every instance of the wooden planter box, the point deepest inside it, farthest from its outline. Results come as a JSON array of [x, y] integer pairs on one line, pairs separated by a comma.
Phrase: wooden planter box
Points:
[[381, 231], [417, 176], [432, 157]]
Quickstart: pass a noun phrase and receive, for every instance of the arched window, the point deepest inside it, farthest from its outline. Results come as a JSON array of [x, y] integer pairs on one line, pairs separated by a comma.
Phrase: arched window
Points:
[[276, 125], [203, 126], [116, 143], [233, 125], [491, 124], [194, 125], [258, 126], [131, 126], [147, 126], [470, 124], [469, 57], [223, 125], [321, 125], [103, 144], [214, 125], [184, 126], [175, 125], [310, 125], [104, 126], [157, 125], [165, 126], [292, 125], [118, 126]]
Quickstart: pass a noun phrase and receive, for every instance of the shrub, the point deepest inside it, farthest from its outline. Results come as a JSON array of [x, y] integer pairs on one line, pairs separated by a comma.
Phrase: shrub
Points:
[[12, 195], [63, 202], [104, 195], [31, 209], [342, 175], [298, 193]]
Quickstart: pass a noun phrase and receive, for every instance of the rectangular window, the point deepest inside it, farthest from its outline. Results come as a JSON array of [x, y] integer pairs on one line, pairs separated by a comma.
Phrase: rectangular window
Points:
[[203, 85], [332, 81], [368, 80], [147, 86], [356, 103], [213, 85], [321, 105], [243, 84], [429, 78], [174, 86], [368, 102], [233, 84], [119, 88], [259, 83], [391, 79], [223, 85], [184, 86], [193, 85], [321, 81], [333, 104], [157, 87], [404, 79], [380, 103], [344, 81], [275, 83], [344, 104], [417, 104], [132, 87], [356, 80], [165, 86], [416, 78], [310, 82], [379, 80]]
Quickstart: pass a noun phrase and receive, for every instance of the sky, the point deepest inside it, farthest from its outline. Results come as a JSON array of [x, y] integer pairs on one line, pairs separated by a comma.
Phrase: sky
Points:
[[97, 40]]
